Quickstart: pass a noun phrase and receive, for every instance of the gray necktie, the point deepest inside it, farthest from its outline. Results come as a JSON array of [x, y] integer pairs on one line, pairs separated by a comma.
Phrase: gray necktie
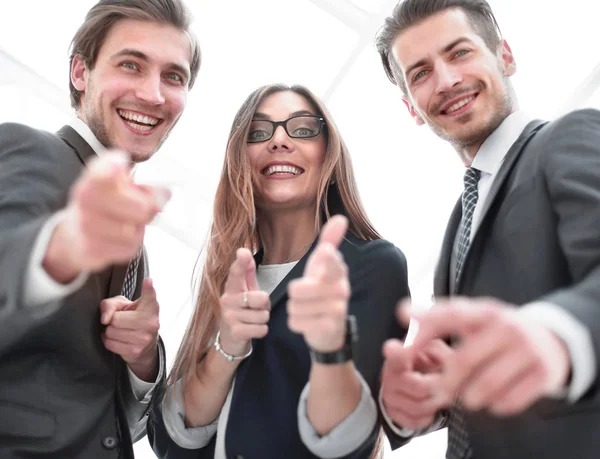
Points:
[[458, 437]]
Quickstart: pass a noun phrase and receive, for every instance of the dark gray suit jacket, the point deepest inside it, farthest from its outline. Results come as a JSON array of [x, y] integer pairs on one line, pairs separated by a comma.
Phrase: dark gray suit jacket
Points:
[[62, 394], [539, 240], [262, 421]]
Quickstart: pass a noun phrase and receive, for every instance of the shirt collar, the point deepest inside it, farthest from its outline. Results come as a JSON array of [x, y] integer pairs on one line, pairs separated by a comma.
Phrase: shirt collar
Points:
[[496, 146], [84, 131]]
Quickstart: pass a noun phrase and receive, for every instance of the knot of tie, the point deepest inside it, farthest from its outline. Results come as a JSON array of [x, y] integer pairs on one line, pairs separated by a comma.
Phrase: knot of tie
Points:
[[472, 176]]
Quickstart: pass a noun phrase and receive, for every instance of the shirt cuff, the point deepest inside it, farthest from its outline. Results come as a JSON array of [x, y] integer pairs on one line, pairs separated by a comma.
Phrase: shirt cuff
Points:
[[173, 412], [348, 435], [400, 431], [40, 288], [438, 422], [143, 390], [576, 337]]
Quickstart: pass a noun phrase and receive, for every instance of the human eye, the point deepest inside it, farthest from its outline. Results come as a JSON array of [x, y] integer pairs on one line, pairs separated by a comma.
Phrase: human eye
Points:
[[175, 77], [258, 133], [130, 65], [303, 126], [461, 52], [304, 131], [419, 75]]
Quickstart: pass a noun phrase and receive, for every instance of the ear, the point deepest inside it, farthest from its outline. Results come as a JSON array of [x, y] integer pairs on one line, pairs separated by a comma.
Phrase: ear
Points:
[[79, 73], [413, 112], [508, 60]]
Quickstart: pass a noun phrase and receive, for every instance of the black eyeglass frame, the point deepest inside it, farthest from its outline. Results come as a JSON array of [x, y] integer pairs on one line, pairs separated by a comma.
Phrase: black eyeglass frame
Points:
[[276, 124]]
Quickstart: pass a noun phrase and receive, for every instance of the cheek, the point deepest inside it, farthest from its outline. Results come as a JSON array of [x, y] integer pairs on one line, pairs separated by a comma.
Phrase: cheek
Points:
[[177, 101]]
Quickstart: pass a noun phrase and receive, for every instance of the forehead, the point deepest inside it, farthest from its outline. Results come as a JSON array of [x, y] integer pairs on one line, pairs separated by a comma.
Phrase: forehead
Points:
[[160, 42], [281, 104], [429, 37]]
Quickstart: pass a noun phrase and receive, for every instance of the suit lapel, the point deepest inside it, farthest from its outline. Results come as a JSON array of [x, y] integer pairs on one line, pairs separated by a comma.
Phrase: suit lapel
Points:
[[78, 143], [506, 167], [503, 173], [441, 279]]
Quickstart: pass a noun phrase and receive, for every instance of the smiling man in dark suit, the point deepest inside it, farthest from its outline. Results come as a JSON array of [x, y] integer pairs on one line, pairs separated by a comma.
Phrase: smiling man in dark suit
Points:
[[518, 282], [79, 348]]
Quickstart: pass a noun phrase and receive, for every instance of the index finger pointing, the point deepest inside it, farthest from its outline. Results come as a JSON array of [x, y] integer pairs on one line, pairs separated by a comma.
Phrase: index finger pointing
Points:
[[447, 319], [148, 299], [334, 230], [237, 278]]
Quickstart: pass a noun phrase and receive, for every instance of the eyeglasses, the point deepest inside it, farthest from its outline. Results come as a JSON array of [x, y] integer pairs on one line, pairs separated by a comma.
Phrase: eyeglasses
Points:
[[297, 127]]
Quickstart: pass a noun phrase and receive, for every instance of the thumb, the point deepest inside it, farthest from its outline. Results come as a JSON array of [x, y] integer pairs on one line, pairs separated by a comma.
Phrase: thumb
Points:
[[397, 356], [334, 231]]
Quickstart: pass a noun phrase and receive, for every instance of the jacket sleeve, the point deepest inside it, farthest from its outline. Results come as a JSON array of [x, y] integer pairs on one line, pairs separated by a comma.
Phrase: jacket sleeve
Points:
[[571, 170], [31, 191]]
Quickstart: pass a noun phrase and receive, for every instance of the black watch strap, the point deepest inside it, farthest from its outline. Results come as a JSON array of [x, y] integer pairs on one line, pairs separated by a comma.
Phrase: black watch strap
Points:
[[345, 354]]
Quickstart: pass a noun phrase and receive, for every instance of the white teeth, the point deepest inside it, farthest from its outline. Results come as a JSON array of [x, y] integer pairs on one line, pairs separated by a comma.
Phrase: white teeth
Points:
[[283, 169], [139, 118], [139, 127], [459, 104]]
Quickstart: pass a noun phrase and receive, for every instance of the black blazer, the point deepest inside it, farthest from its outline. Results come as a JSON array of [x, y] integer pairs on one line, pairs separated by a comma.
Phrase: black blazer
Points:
[[62, 394], [263, 421], [539, 239]]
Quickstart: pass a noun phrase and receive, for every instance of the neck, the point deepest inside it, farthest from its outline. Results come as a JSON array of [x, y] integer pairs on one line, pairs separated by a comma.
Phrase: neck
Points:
[[467, 152], [286, 235]]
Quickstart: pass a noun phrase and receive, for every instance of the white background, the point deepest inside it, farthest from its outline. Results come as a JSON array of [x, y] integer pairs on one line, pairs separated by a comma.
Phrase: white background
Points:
[[408, 179]]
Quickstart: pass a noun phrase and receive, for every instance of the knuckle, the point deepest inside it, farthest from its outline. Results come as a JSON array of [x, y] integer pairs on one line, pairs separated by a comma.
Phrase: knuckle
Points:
[[340, 309], [136, 351], [154, 325], [262, 331], [293, 324], [147, 339], [264, 316]]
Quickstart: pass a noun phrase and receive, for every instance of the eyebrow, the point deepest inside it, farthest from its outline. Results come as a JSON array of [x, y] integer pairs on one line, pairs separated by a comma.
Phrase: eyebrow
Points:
[[446, 49], [138, 54], [264, 116]]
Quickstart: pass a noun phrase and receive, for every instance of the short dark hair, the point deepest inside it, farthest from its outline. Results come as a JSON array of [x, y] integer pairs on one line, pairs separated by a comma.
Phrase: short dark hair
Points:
[[408, 13], [106, 13]]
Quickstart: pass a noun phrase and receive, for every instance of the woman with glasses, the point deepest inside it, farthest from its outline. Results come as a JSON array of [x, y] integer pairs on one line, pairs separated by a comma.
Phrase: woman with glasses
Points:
[[282, 356]]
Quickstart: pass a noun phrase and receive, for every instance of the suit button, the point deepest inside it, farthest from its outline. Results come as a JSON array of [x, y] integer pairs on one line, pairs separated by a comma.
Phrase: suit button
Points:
[[109, 442]]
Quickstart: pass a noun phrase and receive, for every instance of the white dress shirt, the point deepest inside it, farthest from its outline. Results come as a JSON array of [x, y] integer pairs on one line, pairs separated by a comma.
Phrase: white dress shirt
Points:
[[575, 335], [341, 441], [41, 289]]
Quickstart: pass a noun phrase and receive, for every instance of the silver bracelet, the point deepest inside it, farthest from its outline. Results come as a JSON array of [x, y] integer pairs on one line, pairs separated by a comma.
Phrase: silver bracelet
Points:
[[229, 357]]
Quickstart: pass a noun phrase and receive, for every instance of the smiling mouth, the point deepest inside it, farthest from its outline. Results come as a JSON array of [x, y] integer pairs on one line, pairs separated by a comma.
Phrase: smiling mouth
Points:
[[138, 122], [458, 105], [282, 170]]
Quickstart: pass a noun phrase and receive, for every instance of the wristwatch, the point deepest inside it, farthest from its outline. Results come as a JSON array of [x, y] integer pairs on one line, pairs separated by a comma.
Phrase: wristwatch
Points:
[[345, 353]]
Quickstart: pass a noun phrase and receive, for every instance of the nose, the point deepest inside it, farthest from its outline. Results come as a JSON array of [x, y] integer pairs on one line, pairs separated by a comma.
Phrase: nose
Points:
[[280, 141], [447, 78], [150, 90]]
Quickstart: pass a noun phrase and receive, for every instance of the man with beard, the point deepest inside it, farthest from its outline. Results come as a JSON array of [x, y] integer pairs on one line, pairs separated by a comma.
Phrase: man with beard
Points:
[[79, 348], [517, 285]]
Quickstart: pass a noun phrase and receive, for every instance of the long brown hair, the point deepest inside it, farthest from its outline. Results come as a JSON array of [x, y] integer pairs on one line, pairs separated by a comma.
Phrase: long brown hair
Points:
[[234, 219]]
